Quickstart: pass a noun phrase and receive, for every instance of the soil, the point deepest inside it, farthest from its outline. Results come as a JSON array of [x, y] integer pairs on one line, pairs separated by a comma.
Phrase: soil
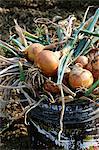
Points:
[[25, 17]]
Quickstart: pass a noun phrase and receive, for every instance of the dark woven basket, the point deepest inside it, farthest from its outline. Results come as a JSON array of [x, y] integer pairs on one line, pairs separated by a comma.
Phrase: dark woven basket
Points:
[[81, 119]]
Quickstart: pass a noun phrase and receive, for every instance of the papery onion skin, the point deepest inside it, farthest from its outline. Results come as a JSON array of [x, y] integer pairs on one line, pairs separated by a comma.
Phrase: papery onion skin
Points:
[[93, 66], [80, 77], [66, 76], [33, 50], [95, 74], [79, 65], [94, 52], [82, 60], [51, 87], [89, 66], [95, 63], [96, 91], [48, 62]]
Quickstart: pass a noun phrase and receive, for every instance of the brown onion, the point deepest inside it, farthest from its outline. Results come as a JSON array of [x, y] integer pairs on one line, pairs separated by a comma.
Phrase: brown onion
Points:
[[79, 65], [48, 62], [95, 63], [82, 60], [94, 52], [51, 87], [80, 77], [66, 76], [89, 66], [95, 74], [33, 50], [93, 66]]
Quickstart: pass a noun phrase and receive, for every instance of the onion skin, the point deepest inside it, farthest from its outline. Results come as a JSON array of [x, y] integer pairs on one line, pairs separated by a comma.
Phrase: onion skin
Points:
[[66, 76], [48, 62], [80, 77], [89, 66], [96, 91], [65, 79], [94, 51], [93, 66], [79, 65], [95, 63], [52, 88], [32, 51], [82, 60], [95, 74]]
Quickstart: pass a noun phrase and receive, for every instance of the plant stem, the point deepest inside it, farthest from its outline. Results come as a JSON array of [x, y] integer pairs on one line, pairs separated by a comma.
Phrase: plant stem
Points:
[[89, 91]]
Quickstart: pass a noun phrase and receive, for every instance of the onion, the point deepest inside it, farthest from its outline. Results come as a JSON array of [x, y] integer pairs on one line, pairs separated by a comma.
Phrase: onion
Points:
[[82, 60], [80, 77], [95, 74], [33, 50], [66, 76], [79, 65], [94, 52], [51, 87], [48, 62], [89, 66], [93, 66], [95, 63]]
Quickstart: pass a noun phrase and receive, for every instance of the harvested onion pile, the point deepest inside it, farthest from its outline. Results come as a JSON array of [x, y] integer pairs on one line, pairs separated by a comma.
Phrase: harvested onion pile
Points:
[[58, 60]]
